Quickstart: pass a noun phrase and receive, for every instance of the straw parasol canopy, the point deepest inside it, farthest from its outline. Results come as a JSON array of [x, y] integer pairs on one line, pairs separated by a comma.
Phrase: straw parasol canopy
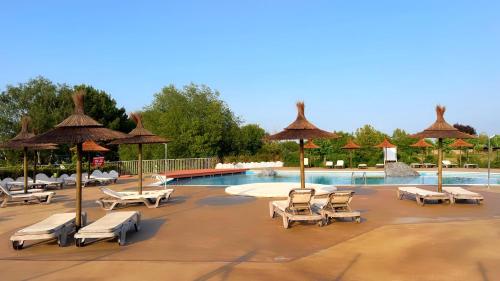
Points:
[[421, 143], [302, 129], [310, 145], [19, 143], [351, 146], [459, 144], [441, 130], [77, 129], [140, 136]]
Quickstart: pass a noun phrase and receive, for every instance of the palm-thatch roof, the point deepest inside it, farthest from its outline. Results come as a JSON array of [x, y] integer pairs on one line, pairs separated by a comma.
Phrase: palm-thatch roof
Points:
[[421, 143], [460, 143], [441, 129], [19, 141], [302, 129], [351, 145], [91, 146], [77, 128], [140, 134], [385, 144], [310, 145]]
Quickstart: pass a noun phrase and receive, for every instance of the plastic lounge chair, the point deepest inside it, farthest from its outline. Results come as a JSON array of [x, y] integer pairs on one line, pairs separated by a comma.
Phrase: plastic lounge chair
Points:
[[448, 164], [329, 164], [71, 180], [458, 193], [49, 182], [151, 199], [337, 205], [379, 166], [429, 165], [415, 165], [340, 164], [57, 226], [421, 195], [101, 177], [296, 208], [115, 224], [38, 197], [306, 162], [114, 174], [362, 166]]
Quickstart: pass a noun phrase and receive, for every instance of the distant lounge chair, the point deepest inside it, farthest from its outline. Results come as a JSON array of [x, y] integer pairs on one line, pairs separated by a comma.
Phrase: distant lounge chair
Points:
[[151, 199], [362, 166], [296, 208], [306, 162], [101, 177], [415, 165], [421, 195], [458, 193], [448, 164], [379, 166], [57, 226], [71, 180], [50, 182], [337, 205], [340, 164], [329, 164], [429, 165], [38, 197], [115, 224], [469, 165]]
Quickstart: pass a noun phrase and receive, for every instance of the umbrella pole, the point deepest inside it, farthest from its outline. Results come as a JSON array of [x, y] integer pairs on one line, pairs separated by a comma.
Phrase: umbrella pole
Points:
[[88, 168], [34, 168], [302, 171], [78, 186], [350, 159], [25, 169], [440, 165], [460, 159], [139, 168]]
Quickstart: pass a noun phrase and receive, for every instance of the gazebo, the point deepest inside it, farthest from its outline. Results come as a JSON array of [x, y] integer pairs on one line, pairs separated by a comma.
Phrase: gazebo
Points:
[[441, 130], [301, 129], [350, 146]]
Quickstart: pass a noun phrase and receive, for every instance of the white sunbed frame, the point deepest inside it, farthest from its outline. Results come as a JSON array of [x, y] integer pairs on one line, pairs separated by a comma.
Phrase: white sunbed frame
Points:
[[61, 232], [151, 199], [421, 195], [38, 197], [457, 193], [296, 210], [120, 231], [337, 205]]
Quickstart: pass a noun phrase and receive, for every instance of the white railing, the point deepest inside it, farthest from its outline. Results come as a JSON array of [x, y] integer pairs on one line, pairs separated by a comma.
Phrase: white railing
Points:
[[162, 165]]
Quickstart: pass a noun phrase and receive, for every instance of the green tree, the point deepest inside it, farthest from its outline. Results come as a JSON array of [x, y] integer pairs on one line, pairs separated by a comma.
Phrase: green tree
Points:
[[251, 139]]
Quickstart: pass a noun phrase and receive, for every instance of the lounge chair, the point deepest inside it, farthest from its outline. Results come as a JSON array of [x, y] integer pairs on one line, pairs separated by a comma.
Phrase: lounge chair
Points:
[[296, 208], [101, 177], [71, 180], [470, 165], [337, 205], [379, 166], [38, 197], [57, 226], [114, 174], [49, 182], [429, 165], [114, 224], [306, 162], [151, 199], [448, 164], [421, 195], [329, 164], [362, 166], [340, 164], [161, 180], [415, 165], [458, 193]]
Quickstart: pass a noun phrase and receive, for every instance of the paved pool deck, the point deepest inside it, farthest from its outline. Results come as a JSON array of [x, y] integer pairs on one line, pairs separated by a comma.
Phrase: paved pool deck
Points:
[[205, 234]]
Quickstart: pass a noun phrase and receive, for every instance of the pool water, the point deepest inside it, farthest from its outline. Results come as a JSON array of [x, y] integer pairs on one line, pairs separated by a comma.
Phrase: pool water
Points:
[[343, 178]]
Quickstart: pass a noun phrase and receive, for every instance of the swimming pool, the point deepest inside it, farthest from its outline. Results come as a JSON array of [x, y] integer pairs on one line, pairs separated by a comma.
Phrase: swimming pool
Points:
[[344, 178]]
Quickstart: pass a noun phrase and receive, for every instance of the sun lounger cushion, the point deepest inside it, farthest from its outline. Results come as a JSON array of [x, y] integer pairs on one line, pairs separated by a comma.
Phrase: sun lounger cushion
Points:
[[48, 225], [109, 223], [419, 191]]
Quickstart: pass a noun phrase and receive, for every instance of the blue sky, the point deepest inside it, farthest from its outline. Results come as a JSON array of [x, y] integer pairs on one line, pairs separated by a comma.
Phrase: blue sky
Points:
[[386, 63]]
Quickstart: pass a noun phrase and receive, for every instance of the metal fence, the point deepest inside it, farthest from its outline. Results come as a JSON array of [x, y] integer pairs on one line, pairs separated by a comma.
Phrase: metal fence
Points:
[[162, 165]]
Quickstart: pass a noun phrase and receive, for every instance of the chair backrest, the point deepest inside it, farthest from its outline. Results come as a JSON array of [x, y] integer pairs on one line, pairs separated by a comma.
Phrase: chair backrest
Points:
[[300, 197], [5, 190], [306, 161], [114, 174], [96, 173], [21, 179], [446, 162], [111, 193], [72, 176], [342, 198], [41, 176], [6, 181], [340, 162]]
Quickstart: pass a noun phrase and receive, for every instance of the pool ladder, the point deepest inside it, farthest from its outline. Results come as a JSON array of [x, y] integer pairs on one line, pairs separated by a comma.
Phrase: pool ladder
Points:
[[358, 175]]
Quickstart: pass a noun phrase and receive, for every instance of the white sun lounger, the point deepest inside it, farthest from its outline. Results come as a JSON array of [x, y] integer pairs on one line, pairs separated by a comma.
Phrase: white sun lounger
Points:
[[421, 195], [340, 164], [296, 208], [458, 193], [38, 197], [337, 205], [151, 198], [115, 224], [57, 226], [362, 166]]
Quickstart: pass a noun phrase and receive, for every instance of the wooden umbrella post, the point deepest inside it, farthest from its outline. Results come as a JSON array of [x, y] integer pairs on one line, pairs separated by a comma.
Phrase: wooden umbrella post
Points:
[[25, 169], [78, 186], [350, 158], [440, 165], [302, 169], [34, 168], [139, 167], [88, 168]]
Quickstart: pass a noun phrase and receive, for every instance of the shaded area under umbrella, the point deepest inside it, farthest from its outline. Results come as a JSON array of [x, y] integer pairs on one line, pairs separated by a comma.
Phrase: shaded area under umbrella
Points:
[[77, 129], [441, 130], [19, 143], [422, 144], [460, 144], [351, 146], [140, 136], [302, 129]]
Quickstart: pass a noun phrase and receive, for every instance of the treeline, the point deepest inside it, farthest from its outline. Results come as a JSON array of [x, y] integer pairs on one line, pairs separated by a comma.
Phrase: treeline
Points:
[[198, 123]]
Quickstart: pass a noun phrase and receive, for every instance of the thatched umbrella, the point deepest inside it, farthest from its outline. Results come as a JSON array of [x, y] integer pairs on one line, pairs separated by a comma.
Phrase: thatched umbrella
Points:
[[350, 146], [77, 129], [460, 144], [385, 145], [422, 144], [310, 145], [91, 146], [18, 143], [301, 129], [140, 136], [441, 130]]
